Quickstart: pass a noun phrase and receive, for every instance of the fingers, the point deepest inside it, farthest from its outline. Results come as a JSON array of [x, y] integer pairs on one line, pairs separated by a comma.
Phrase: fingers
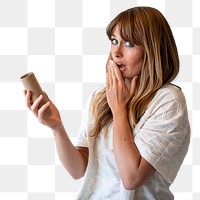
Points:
[[28, 98], [117, 73], [35, 105], [111, 77], [43, 109]]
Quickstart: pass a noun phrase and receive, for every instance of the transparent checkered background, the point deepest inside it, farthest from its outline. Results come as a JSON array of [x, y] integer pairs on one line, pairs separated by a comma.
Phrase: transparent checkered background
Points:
[[65, 45]]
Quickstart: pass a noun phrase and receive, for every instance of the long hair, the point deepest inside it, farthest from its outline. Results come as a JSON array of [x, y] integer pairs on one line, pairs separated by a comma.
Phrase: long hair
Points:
[[147, 28]]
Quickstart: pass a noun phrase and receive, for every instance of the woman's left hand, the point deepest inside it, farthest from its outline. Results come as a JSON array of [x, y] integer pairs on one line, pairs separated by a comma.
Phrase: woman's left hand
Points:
[[117, 92]]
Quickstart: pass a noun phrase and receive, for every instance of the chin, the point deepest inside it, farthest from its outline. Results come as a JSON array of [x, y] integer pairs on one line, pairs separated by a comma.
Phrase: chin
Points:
[[126, 76]]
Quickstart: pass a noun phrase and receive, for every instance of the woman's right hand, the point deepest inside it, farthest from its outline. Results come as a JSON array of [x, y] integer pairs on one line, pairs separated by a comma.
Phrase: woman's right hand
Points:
[[47, 114]]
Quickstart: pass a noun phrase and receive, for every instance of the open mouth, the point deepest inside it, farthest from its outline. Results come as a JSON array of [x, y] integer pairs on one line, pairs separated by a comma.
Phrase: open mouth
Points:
[[121, 66]]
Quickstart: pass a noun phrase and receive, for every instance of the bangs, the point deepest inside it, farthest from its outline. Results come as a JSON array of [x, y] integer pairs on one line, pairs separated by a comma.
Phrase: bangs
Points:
[[125, 22]]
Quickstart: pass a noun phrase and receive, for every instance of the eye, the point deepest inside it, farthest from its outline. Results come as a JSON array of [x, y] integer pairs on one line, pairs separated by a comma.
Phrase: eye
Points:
[[129, 44], [114, 41]]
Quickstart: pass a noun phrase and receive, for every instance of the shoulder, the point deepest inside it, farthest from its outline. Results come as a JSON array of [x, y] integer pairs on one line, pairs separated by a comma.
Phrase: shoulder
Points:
[[169, 92], [169, 97], [167, 111]]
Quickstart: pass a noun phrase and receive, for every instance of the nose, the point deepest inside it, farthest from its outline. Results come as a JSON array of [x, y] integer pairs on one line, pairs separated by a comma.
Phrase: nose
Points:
[[117, 51]]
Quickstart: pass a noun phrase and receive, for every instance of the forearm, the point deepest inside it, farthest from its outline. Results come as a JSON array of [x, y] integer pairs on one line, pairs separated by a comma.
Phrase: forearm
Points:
[[72, 159], [125, 151]]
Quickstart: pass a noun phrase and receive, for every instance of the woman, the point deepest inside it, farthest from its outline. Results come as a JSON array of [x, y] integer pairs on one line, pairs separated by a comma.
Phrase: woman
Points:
[[135, 131]]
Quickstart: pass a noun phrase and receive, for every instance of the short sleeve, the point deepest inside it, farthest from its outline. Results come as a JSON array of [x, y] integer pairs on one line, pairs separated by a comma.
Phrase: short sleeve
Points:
[[164, 133]]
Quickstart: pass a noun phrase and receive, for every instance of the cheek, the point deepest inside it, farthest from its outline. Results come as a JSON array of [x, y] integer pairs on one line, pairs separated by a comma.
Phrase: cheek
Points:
[[139, 68], [137, 63], [136, 66]]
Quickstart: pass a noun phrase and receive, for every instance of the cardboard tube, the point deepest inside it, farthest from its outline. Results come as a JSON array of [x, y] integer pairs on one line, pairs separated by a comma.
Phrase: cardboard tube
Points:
[[30, 83]]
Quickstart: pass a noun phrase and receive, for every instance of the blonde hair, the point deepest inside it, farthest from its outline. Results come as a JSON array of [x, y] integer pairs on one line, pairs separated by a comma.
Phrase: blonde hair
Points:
[[148, 28]]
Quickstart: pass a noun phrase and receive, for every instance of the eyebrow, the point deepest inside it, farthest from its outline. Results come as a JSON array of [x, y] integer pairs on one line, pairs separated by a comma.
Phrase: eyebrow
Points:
[[113, 35]]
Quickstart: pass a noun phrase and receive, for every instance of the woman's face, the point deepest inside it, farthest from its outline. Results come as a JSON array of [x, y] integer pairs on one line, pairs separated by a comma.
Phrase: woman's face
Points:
[[127, 56]]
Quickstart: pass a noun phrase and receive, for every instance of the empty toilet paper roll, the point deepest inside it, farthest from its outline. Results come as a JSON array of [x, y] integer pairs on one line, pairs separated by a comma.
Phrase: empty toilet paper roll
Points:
[[30, 83]]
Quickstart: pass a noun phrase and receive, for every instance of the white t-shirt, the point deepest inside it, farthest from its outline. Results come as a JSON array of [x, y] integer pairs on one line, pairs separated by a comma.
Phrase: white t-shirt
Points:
[[162, 137]]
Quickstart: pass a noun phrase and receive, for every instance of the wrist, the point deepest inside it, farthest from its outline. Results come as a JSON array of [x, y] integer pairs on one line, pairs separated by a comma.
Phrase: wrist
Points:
[[120, 113], [58, 129]]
